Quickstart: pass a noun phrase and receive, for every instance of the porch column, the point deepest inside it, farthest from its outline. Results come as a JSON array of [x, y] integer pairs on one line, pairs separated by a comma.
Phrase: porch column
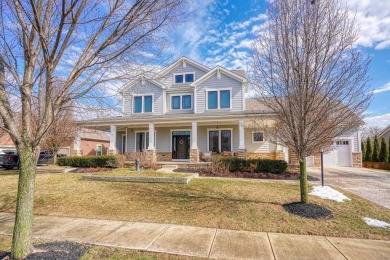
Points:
[[151, 136], [151, 151], [194, 151], [241, 144], [112, 148], [77, 143]]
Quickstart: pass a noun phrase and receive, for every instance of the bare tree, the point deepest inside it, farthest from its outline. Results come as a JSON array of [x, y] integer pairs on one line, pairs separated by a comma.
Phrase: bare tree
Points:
[[311, 74], [370, 131], [61, 133], [85, 42]]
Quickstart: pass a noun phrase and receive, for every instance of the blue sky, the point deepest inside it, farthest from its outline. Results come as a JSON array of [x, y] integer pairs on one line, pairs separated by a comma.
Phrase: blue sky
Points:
[[220, 33]]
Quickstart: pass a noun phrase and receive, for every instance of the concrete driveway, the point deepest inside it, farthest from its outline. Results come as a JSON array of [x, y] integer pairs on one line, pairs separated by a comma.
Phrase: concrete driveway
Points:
[[371, 184]]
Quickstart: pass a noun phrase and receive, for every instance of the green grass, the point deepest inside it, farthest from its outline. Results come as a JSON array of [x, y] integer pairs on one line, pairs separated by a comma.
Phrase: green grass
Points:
[[231, 204]]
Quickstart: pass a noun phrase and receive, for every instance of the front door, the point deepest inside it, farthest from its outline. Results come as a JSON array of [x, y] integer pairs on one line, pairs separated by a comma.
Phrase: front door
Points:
[[180, 146]]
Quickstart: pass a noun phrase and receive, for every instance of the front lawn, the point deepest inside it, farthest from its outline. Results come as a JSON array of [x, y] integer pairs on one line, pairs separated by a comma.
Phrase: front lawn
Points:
[[148, 173], [219, 203]]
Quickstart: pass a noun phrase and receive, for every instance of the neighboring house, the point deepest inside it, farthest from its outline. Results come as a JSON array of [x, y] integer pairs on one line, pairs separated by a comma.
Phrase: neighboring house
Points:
[[189, 110], [6, 143], [92, 142], [89, 142], [385, 133]]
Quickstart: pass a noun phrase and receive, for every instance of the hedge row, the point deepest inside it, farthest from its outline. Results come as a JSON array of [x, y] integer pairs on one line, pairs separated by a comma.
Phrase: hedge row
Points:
[[114, 161], [254, 165]]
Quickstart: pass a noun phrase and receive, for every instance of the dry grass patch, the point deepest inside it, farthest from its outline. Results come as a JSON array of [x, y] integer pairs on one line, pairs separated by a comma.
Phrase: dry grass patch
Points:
[[148, 173], [231, 204]]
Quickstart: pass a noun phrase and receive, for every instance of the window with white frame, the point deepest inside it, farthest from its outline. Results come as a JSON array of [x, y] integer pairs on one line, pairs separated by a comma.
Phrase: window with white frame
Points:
[[257, 137], [142, 141], [143, 104], [181, 101], [99, 150], [184, 78], [220, 140], [218, 99]]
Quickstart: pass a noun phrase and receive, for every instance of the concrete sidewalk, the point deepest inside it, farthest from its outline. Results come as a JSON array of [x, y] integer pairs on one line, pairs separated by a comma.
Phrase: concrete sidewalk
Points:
[[201, 242]]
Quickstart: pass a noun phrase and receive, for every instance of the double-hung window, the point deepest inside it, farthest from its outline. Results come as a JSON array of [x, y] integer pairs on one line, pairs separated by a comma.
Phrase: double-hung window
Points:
[[218, 99], [143, 104], [257, 137], [181, 102], [184, 78], [220, 140]]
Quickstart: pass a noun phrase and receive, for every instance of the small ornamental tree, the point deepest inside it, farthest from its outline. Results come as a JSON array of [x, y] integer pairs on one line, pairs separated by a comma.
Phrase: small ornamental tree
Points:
[[368, 154], [375, 151], [363, 152], [384, 152]]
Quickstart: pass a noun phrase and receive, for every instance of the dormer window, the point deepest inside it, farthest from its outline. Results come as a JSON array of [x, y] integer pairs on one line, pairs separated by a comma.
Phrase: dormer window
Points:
[[184, 78]]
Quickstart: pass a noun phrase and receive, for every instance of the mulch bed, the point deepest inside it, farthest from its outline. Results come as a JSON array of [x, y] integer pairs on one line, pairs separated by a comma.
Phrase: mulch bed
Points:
[[271, 176], [54, 250], [309, 210]]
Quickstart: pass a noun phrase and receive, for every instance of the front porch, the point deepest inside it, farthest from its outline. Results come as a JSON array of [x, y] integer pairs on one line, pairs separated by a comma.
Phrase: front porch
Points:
[[179, 142]]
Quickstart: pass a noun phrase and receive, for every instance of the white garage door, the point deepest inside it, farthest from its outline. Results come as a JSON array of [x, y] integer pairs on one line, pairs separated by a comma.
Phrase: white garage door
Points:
[[343, 153], [340, 155]]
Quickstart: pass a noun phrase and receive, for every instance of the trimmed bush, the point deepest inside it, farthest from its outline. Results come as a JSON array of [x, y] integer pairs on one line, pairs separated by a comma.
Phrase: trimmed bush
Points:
[[114, 161], [254, 165]]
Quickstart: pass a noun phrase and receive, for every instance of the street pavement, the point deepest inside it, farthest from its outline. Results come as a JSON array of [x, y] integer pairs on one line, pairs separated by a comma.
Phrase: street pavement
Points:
[[200, 242], [371, 184]]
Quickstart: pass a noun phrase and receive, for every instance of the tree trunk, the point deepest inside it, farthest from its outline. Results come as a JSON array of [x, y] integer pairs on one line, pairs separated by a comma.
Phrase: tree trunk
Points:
[[303, 180], [22, 236], [55, 158]]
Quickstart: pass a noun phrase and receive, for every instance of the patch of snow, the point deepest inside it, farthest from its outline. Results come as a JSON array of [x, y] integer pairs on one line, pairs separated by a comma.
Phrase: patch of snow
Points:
[[326, 192], [376, 223]]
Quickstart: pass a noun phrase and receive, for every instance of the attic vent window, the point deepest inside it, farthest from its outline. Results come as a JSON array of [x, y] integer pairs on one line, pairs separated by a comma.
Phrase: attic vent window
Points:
[[184, 78]]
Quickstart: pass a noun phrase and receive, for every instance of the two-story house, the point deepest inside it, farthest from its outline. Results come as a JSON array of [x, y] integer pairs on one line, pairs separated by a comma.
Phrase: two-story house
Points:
[[188, 110]]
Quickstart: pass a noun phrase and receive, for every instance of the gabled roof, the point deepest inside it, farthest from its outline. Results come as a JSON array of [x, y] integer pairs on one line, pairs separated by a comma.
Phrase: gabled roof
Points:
[[182, 60], [141, 78], [384, 131], [217, 70]]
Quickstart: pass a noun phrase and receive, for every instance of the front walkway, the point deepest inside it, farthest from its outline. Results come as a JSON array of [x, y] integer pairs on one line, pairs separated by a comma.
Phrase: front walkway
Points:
[[201, 242]]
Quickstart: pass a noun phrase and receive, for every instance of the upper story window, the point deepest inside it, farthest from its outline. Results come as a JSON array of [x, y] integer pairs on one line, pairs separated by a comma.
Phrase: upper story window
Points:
[[184, 78], [143, 104], [181, 102], [218, 99]]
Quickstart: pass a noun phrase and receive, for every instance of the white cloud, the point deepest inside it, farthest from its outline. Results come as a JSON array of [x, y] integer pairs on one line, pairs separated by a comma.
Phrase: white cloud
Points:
[[385, 87], [380, 121], [373, 19]]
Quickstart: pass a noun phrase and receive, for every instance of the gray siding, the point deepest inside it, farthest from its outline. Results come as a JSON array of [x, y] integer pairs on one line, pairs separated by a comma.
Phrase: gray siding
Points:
[[140, 89], [168, 81], [264, 147], [213, 83]]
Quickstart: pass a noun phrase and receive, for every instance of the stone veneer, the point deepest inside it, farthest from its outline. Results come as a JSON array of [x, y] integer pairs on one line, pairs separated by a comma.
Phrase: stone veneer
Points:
[[279, 155], [77, 153], [242, 154], [357, 160], [164, 156], [269, 156], [151, 155], [194, 155]]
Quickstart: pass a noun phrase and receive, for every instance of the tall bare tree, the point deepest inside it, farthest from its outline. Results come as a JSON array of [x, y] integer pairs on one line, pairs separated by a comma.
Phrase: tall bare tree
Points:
[[311, 74], [86, 43]]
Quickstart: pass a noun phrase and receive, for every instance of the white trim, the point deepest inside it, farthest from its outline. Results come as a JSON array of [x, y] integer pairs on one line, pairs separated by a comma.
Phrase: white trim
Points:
[[142, 79], [181, 101], [184, 77], [143, 103], [101, 151], [170, 138], [257, 142], [221, 70], [218, 97], [145, 144], [127, 139], [177, 63], [219, 136]]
